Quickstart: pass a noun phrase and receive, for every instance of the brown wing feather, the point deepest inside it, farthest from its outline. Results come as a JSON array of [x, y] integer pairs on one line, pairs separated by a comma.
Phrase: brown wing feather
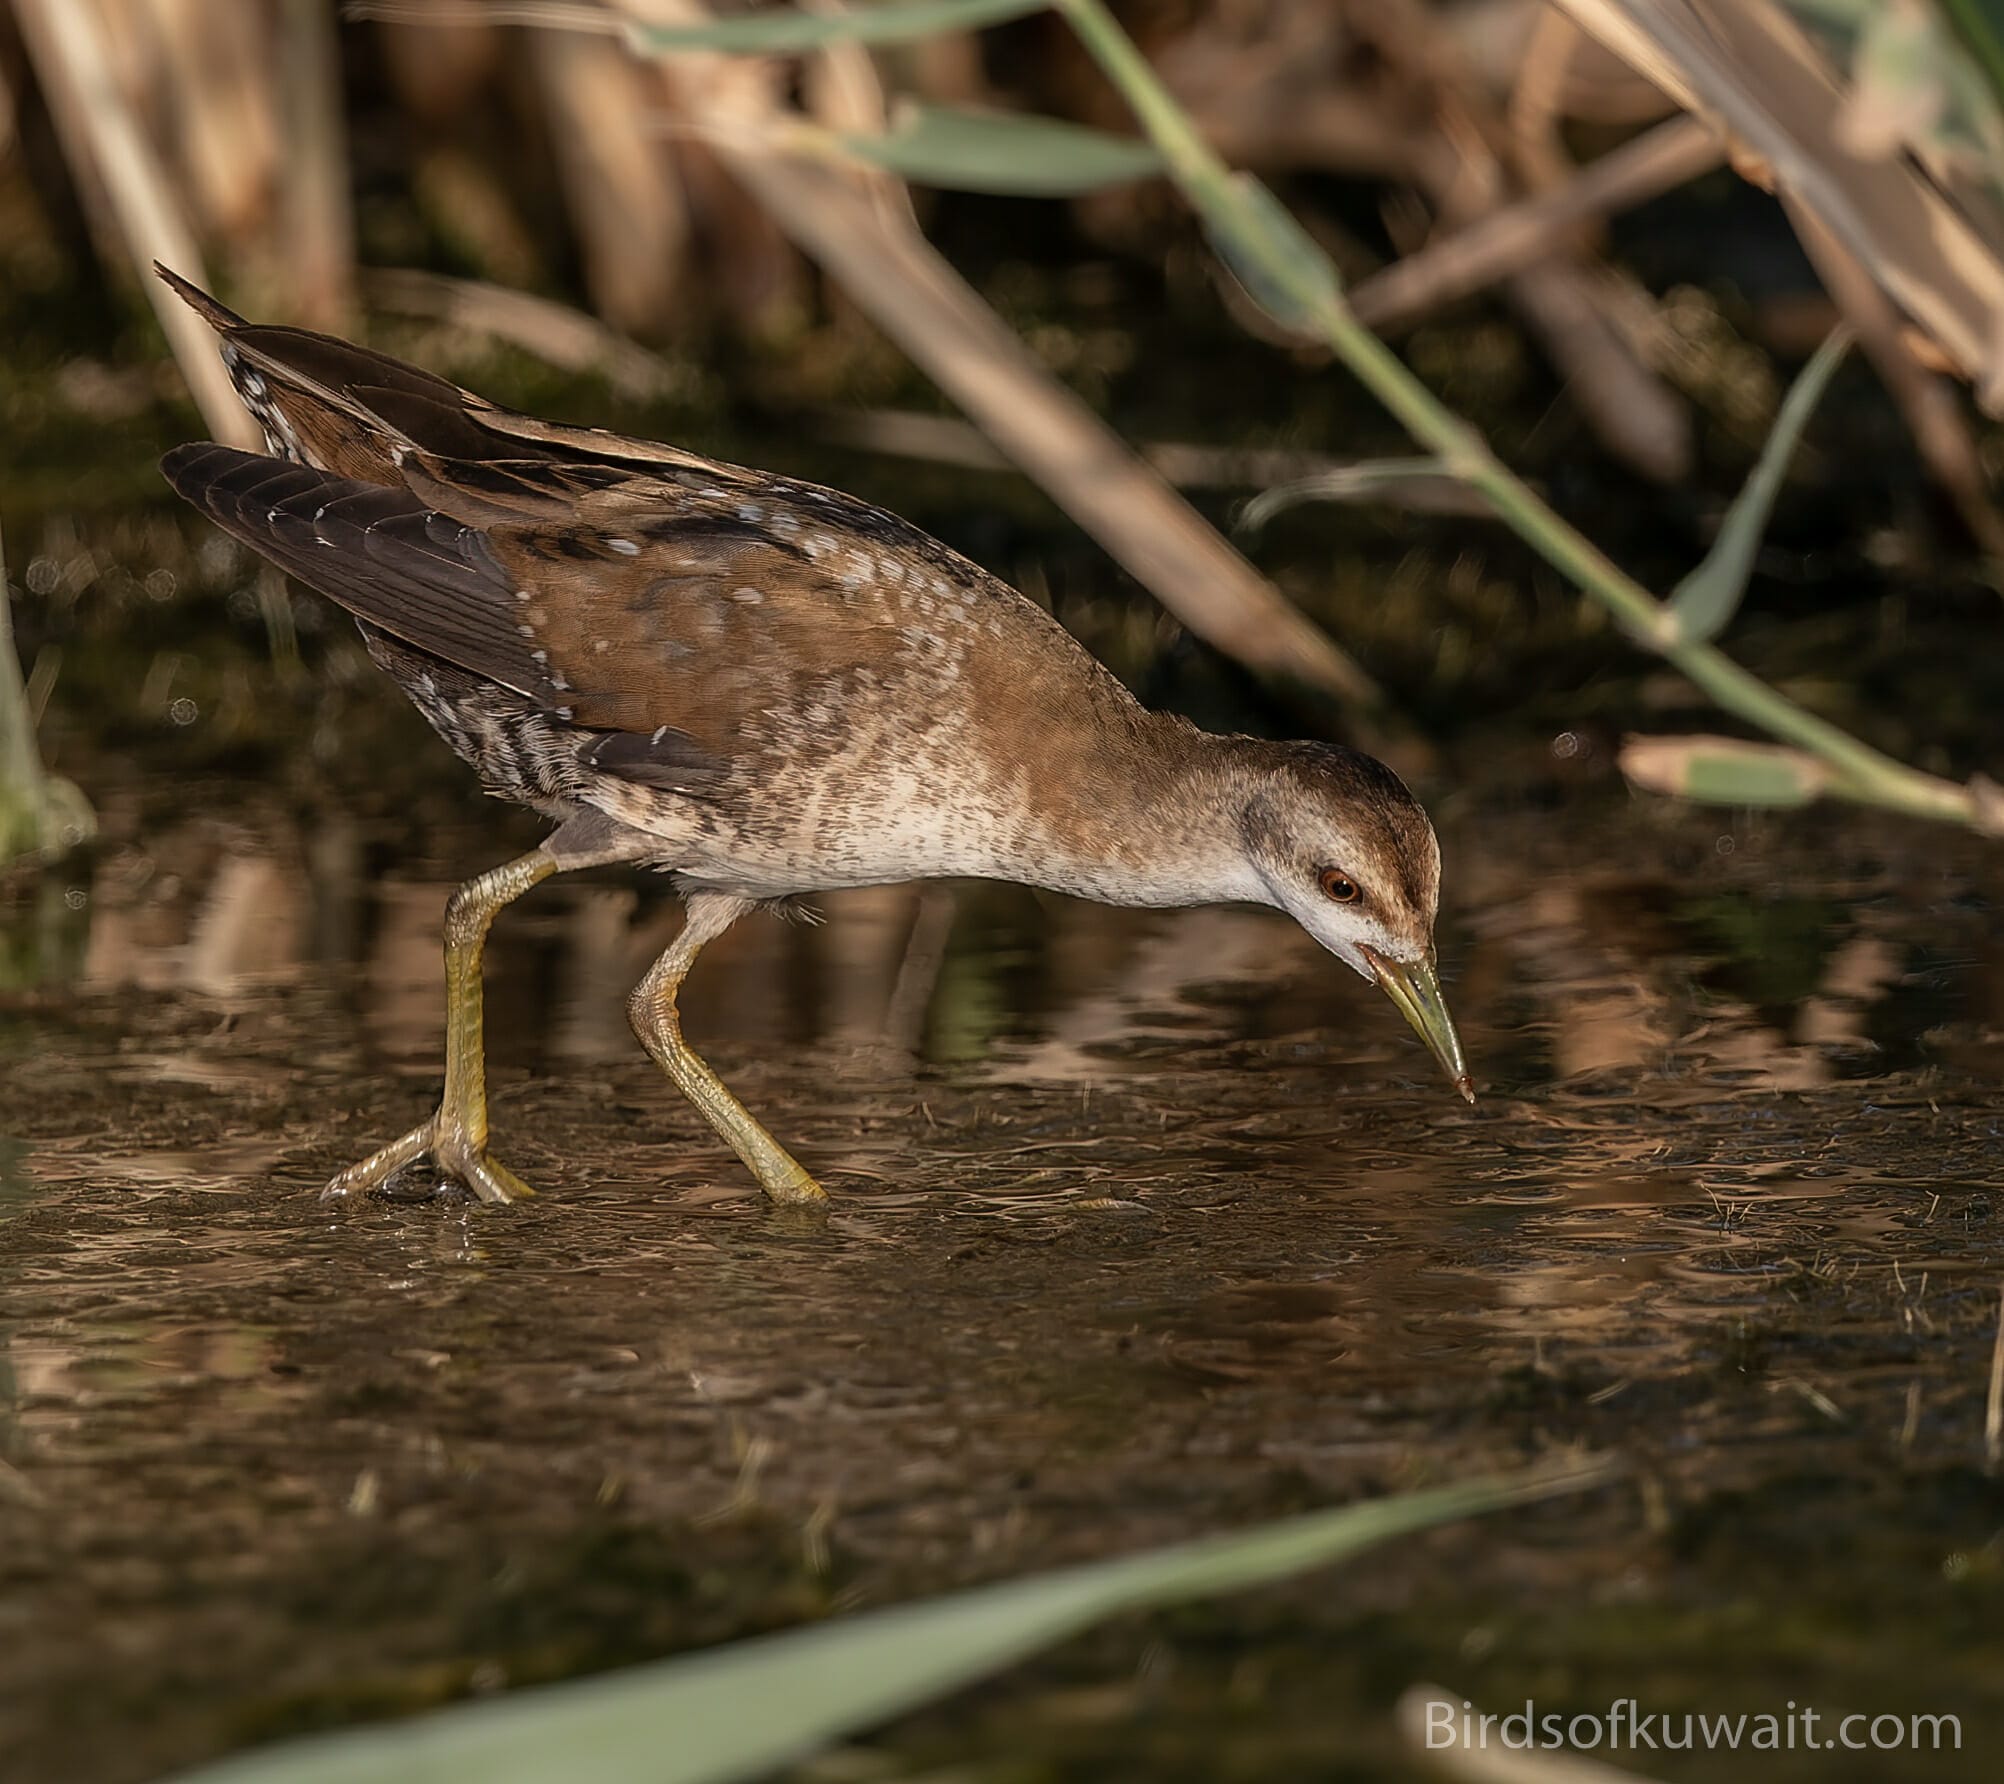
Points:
[[677, 644], [420, 575], [702, 634]]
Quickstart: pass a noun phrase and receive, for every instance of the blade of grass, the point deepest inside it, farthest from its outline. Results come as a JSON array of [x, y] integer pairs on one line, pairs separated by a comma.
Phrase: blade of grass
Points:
[[1981, 30], [984, 151], [738, 1711], [1279, 263], [41, 814], [947, 440], [20, 761], [782, 32], [1993, 1401], [1706, 600], [776, 33], [1343, 483]]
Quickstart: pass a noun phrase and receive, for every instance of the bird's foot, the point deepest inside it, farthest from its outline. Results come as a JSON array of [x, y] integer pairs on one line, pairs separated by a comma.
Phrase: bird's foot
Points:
[[452, 1152]]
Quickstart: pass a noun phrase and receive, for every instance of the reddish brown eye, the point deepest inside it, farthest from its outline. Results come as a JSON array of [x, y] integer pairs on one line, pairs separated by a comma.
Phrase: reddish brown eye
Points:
[[1338, 886]]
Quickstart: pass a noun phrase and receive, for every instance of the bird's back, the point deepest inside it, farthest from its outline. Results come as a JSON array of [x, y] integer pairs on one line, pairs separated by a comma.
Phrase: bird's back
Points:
[[594, 619]]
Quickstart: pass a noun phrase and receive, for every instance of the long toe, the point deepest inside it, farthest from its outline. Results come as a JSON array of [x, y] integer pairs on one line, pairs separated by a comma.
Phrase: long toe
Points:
[[486, 1176], [492, 1181], [380, 1166]]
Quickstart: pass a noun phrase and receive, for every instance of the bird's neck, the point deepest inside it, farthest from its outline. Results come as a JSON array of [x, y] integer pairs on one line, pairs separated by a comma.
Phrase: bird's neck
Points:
[[1150, 812]]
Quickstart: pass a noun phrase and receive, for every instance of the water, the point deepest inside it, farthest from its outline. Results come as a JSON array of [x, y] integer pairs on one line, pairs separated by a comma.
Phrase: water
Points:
[[1144, 1225]]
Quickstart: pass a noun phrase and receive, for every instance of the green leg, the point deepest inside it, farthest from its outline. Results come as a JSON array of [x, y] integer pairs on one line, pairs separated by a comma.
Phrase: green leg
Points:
[[456, 1137], [659, 1026]]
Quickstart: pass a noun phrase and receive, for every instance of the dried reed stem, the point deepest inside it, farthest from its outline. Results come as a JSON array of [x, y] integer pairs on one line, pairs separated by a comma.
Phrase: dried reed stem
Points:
[[319, 215], [1520, 234], [96, 122]]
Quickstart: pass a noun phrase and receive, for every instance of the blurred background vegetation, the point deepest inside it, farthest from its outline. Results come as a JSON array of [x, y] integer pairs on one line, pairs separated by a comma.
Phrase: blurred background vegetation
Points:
[[1605, 232]]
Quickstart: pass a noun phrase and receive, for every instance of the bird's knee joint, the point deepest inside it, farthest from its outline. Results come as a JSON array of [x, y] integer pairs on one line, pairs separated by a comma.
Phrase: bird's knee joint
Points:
[[651, 1010], [465, 917]]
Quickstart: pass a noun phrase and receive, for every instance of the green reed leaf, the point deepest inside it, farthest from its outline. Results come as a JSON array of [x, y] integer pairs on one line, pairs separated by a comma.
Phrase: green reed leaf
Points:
[[1724, 770], [1279, 263], [738, 1711], [1707, 599], [1005, 152], [787, 32]]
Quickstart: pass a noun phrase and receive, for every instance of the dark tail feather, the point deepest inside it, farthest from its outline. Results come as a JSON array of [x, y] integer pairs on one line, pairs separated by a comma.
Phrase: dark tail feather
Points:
[[218, 316], [381, 553]]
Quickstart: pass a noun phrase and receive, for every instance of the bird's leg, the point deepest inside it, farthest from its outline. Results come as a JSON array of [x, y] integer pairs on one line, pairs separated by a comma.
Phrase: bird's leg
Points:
[[659, 1026], [456, 1137]]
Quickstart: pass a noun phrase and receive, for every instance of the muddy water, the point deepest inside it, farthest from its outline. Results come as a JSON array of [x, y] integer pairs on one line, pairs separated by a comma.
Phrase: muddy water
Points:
[[1145, 1225]]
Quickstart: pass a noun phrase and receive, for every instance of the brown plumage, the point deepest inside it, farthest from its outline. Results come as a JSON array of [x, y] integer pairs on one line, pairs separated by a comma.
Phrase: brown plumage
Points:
[[764, 687]]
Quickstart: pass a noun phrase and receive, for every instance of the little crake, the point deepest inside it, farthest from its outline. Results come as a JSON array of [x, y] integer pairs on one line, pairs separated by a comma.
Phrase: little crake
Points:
[[765, 689]]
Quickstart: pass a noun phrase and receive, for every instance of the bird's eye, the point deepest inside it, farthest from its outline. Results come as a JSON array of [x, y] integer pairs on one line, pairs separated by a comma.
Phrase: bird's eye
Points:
[[1338, 887]]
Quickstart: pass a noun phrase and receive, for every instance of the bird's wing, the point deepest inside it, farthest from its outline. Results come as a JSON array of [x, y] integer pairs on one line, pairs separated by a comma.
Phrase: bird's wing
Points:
[[619, 583], [420, 575], [623, 613]]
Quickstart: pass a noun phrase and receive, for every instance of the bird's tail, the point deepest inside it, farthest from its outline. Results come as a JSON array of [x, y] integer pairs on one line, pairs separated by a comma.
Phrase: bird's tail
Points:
[[322, 401]]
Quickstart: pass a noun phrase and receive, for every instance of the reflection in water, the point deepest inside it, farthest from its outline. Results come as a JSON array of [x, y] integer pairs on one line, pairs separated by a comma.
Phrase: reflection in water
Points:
[[1621, 977], [1143, 1220]]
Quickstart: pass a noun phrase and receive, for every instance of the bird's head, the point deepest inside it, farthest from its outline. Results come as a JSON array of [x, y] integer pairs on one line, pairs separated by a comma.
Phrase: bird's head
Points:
[[1343, 848]]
